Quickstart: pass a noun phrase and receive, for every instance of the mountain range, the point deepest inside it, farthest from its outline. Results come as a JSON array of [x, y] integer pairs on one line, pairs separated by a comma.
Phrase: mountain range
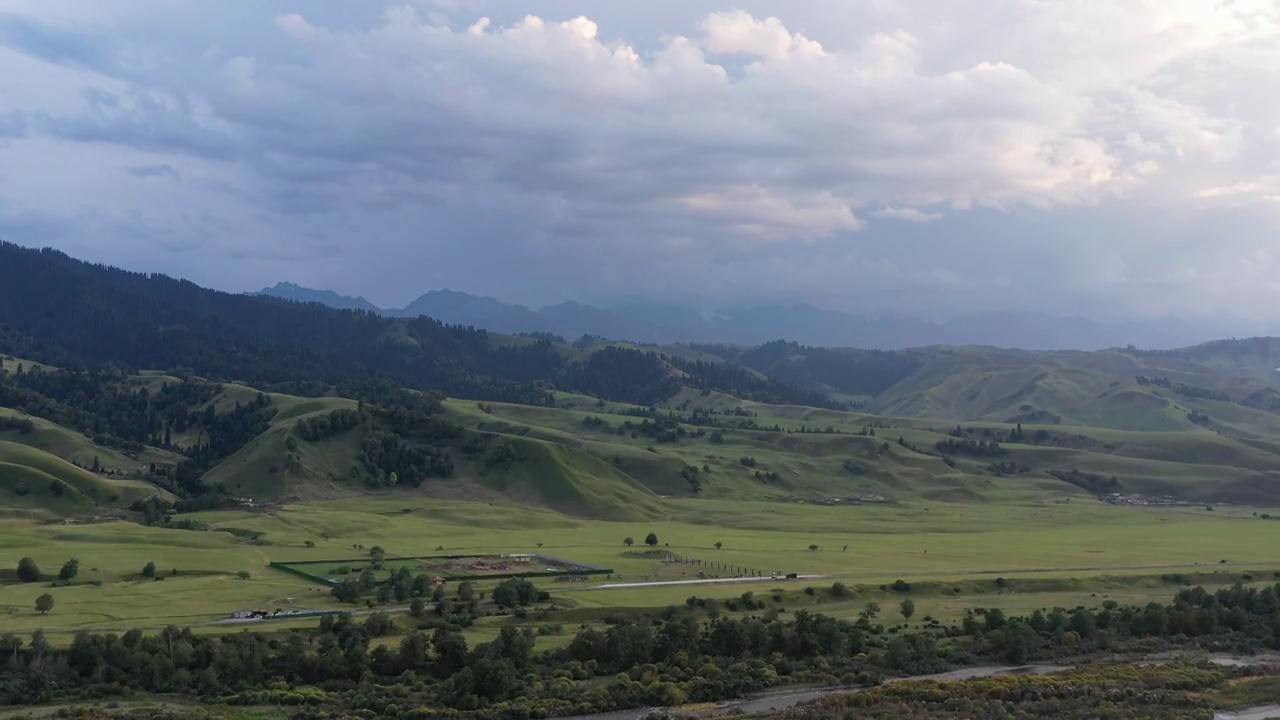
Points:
[[261, 396], [753, 325]]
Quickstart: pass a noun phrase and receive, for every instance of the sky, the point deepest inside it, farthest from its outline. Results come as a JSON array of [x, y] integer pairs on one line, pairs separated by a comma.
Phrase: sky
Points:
[[1118, 159]]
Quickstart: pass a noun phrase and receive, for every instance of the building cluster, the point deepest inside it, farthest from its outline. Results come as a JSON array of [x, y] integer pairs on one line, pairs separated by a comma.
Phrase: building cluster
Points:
[[1144, 500]]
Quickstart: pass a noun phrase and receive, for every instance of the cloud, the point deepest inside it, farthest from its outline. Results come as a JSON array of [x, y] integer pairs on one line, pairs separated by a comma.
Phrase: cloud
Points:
[[13, 125], [908, 214], [154, 171], [1249, 187], [688, 149], [755, 212], [55, 44]]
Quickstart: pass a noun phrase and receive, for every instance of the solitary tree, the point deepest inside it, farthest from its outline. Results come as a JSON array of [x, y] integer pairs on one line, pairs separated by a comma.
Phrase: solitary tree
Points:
[[870, 611], [466, 591], [149, 570], [651, 539], [44, 603], [813, 548], [908, 608], [28, 571], [628, 541], [69, 570], [515, 592], [719, 545]]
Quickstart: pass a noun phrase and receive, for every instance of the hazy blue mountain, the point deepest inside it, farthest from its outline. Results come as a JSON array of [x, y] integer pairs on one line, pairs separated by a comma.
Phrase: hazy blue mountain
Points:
[[753, 325], [297, 293], [635, 324], [813, 326], [1048, 332], [459, 308]]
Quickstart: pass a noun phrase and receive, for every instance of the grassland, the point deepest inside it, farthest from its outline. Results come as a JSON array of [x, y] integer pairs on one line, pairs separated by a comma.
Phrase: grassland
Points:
[[871, 491], [955, 557], [44, 484], [1192, 463], [79, 450]]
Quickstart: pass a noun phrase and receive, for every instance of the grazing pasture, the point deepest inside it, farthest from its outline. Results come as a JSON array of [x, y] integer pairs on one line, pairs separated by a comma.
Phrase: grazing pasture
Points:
[[953, 557]]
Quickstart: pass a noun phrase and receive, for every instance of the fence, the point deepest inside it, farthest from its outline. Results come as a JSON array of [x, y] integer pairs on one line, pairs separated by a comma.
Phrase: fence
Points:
[[571, 568]]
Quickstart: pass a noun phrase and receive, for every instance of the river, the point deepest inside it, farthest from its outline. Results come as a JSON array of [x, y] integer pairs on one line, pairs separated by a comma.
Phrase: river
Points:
[[773, 701], [781, 700], [1265, 712]]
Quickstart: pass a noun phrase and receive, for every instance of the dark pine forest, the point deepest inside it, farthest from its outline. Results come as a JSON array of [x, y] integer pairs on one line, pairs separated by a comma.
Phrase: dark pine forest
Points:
[[72, 314]]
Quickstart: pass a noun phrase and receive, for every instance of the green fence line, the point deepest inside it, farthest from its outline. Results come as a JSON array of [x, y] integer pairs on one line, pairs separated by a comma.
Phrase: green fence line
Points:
[[364, 558], [285, 567]]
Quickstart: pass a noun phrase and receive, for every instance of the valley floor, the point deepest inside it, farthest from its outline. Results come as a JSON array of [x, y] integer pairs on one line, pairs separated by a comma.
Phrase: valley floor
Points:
[[949, 558]]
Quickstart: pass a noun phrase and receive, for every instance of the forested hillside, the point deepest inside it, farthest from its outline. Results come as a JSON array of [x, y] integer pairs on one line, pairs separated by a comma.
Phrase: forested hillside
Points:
[[68, 313], [843, 371]]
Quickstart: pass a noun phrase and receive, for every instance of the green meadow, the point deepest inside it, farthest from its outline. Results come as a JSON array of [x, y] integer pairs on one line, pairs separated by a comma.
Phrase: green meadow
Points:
[[955, 557]]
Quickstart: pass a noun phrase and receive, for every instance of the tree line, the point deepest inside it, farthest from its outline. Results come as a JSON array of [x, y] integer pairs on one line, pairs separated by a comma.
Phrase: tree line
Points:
[[668, 658]]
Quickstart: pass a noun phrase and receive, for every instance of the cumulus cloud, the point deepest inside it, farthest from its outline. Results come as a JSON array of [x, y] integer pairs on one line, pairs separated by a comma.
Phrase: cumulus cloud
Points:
[[698, 157]]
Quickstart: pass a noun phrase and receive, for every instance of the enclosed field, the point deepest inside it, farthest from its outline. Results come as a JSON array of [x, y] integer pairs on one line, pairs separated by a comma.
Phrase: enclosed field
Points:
[[449, 568]]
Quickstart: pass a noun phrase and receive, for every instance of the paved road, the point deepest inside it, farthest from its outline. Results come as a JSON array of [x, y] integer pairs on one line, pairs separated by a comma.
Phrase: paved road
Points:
[[700, 581]]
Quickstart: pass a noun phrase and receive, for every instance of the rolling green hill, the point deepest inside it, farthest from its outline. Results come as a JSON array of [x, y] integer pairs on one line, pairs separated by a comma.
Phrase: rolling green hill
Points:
[[74, 447], [279, 465], [1087, 419], [32, 479], [1085, 431], [27, 491]]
